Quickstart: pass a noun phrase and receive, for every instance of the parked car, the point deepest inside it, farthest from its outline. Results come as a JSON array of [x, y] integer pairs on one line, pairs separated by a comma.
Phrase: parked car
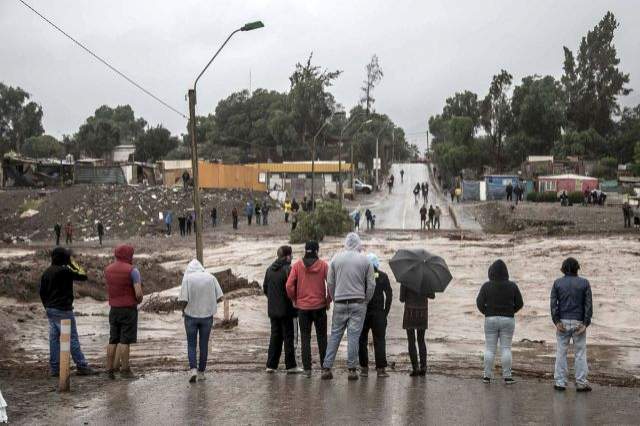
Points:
[[362, 187]]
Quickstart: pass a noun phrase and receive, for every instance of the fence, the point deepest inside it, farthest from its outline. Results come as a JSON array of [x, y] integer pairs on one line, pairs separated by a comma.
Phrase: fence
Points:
[[226, 176]]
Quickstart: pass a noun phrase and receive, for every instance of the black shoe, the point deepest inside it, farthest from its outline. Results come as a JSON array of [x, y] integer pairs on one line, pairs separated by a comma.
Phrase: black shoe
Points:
[[509, 381], [86, 371], [111, 374], [414, 373], [364, 371], [423, 371], [353, 374], [326, 374], [486, 380], [583, 388], [559, 388]]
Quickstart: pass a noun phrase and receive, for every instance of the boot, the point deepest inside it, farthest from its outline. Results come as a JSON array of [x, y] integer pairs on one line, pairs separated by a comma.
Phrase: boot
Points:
[[326, 374], [364, 371], [353, 374], [382, 372]]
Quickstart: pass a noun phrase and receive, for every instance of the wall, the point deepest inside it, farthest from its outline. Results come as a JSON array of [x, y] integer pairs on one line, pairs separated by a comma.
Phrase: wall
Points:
[[227, 176]]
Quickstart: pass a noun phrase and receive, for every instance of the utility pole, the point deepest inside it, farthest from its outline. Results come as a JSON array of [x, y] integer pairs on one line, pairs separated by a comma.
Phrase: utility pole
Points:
[[313, 163]]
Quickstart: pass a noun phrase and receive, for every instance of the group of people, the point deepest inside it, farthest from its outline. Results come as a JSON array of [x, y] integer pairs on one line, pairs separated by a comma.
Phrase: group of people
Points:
[[517, 191], [302, 294], [68, 232], [630, 213], [258, 209], [362, 297], [368, 215], [430, 219], [421, 188]]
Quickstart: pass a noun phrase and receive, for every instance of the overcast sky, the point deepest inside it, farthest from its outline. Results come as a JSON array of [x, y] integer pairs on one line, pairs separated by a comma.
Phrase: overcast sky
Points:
[[428, 50]]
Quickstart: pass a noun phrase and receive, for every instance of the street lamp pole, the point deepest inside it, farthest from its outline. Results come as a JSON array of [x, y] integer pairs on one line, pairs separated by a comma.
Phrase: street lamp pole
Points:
[[313, 164], [377, 156], [351, 143], [340, 156], [194, 146]]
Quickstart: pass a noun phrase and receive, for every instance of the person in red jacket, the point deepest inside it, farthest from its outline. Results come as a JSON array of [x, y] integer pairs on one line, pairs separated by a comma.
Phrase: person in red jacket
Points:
[[307, 289], [124, 288]]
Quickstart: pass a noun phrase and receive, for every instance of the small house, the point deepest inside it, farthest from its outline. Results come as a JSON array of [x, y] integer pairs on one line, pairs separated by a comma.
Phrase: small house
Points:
[[567, 182]]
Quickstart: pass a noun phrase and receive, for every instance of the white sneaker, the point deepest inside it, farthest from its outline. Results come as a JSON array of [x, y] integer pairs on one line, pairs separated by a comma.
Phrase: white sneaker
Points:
[[270, 370], [193, 375], [201, 376], [294, 370]]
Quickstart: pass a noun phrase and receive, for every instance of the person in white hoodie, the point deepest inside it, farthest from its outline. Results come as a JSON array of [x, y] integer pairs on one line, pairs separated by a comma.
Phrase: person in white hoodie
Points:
[[199, 297]]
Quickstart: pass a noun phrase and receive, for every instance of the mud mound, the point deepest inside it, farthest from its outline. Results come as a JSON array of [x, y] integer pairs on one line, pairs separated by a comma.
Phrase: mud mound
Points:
[[125, 211]]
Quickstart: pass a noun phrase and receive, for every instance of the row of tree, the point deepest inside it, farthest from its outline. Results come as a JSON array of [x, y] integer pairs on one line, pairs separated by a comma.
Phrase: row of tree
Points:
[[259, 126], [579, 114]]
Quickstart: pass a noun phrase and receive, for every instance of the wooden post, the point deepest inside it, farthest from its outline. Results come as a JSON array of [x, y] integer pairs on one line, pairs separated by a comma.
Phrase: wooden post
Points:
[[226, 309], [65, 348]]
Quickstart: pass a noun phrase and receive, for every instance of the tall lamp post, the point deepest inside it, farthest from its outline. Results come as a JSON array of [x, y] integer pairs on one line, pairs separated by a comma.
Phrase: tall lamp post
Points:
[[313, 163], [194, 146], [351, 143], [377, 156], [340, 155]]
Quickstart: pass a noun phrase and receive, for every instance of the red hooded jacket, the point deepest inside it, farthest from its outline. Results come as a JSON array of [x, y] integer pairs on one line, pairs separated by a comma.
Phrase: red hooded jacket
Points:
[[306, 285], [118, 277]]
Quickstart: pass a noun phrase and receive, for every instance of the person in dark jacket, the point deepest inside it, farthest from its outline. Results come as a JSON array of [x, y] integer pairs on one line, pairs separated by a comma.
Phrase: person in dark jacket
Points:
[[234, 217], [281, 313], [182, 224], [68, 233], [57, 229], [214, 217], [416, 322], [258, 210], [56, 293], [376, 322], [571, 312], [100, 228], [498, 300], [189, 223]]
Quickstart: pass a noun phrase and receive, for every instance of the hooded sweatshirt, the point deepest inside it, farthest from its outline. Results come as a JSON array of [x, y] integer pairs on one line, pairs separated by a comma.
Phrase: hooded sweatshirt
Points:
[[499, 297], [351, 275], [306, 286], [56, 283], [274, 287], [200, 290]]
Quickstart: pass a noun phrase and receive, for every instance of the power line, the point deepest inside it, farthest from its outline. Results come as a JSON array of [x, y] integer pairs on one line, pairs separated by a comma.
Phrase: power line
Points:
[[111, 67]]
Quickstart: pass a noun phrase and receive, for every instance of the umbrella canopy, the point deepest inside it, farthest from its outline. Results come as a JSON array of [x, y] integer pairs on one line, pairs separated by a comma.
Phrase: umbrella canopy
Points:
[[421, 271]]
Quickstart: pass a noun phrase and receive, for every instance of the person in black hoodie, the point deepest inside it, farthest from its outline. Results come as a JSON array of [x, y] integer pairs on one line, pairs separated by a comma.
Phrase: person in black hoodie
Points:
[[281, 313], [499, 299], [376, 322], [56, 293]]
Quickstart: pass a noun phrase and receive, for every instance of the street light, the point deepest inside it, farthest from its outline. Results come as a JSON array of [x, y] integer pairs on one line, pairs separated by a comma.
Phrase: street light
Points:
[[313, 163], [377, 156], [194, 146], [353, 117], [351, 143]]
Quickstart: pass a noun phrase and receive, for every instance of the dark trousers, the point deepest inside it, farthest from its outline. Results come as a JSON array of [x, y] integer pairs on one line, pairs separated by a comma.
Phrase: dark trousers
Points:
[[422, 348], [57, 239], [100, 238], [194, 327], [68, 239], [249, 219], [258, 222], [377, 323], [265, 219], [213, 222], [235, 222], [188, 228], [168, 229], [286, 218], [509, 196], [317, 317], [627, 221], [281, 333]]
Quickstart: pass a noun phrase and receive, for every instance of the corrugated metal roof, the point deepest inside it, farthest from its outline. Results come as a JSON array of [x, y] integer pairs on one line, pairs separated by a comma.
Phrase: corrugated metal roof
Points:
[[568, 176], [303, 167]]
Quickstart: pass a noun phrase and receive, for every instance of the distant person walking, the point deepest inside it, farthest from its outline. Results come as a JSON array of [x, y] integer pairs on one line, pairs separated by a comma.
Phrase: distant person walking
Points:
[[248, 211], [376, 321], [56, 294], [498, 300], [416, 321], [423, 217], [571, 311], [356, 220], [214, 217], [185, 180], [432, 214], [626, 213], [281, 313], [168, 220], [234, 217], [287, 210], [258, 211], [436, 217], [294, 219], [189, 223], [68, 233], [56, 231], [416, 192], [182, 223], [199, 296], [351, 284], [124, 288], [265, 213], [401, 175], [509, 191], [100, 229], [368, 216], [307, 289]]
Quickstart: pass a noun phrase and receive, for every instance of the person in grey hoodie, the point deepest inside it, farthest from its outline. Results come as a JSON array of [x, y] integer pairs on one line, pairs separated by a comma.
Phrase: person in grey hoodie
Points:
[[199, 297], [351, 284]]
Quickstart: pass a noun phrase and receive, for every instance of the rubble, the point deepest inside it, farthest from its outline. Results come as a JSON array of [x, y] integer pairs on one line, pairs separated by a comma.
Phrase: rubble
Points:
[[125, 211]]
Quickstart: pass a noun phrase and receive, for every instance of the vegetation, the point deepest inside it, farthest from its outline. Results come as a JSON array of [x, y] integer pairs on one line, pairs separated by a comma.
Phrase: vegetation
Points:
[[579, 114], [20, 118], [44, 146], [327, 219]]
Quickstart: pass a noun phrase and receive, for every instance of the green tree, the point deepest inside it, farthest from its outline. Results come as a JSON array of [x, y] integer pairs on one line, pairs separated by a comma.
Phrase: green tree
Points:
[[636, 153], [97, 138], [462, 104], [20, 118], [496, 116], [374, 75], [627, 135], [44, 146], [123, 119], [593, 82], [154, 144]]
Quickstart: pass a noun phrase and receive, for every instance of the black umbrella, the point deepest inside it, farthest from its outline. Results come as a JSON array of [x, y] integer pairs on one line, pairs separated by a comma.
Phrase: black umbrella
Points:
[[421, 271]]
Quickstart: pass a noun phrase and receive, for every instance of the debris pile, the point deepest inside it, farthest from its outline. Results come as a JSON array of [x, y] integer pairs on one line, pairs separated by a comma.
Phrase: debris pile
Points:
[[125, 211]]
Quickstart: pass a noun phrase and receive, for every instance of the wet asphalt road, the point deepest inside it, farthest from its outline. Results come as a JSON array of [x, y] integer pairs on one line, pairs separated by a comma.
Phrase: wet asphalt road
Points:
[[399, 209], [259, 398]]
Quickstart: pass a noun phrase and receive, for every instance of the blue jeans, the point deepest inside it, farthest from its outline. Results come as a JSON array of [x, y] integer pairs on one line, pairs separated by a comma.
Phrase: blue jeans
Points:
[[54, 316], [350, 317], [498, 328], [193, 327], [580, 348]]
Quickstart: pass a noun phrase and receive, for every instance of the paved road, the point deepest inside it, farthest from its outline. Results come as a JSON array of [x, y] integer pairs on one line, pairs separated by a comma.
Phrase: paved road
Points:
[[399, 210], [258, 398]]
